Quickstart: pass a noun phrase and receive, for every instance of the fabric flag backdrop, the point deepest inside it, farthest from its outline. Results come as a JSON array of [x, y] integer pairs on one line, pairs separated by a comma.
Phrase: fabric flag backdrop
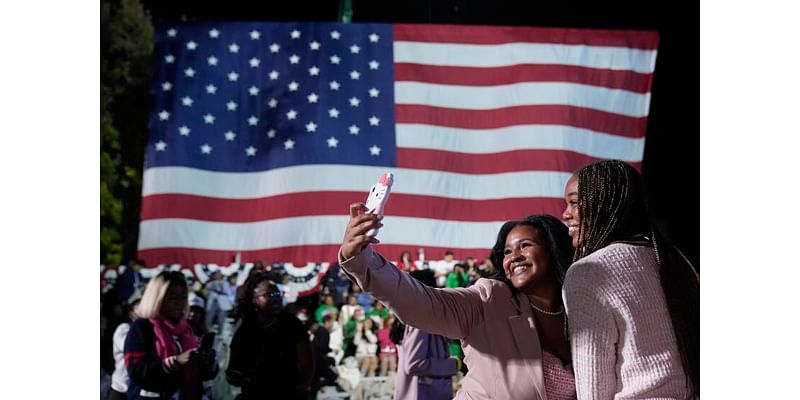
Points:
[[264, 133]]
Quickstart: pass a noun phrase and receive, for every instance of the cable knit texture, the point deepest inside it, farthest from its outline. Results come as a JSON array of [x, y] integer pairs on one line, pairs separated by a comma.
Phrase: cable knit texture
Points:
[[623, 345]]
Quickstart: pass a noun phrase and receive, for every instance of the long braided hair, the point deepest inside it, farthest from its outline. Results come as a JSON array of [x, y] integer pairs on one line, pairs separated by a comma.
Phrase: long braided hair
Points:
[[612, 207]]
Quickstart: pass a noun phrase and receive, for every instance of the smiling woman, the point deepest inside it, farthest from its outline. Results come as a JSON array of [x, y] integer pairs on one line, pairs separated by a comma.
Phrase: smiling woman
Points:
[[511, 326]]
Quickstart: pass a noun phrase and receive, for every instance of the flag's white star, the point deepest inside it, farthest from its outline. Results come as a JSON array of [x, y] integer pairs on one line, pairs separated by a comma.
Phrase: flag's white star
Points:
[[233, 77], [292, 114], [311, 127], [184, 130], [354, 75], [169, 59], [374, 64], [233, 48], [335, 59], [273, 103], [253, 90], [373, 37], [206, 149], [252, 121], [208, 118], [332, 142], [313, 71], [255, 35], [335, 35], [166, 86], [354, 49], [212, 60], [273, 75], [374, 92], [354, 101], [251, 151], [374, 150], [288, 144], [296, 34], [187, 101], [273, 48], [271, 133], [189, 72], [294, 59], [191, 45], [354, 130], [161, 146], [172, 32], [211, 89], [312, 98], [374, 121], [231, 105], [314, 45], [293, 86], [254, 62], [163, 115], [333, 113], [214, 33], [229, 136], [334, 85]]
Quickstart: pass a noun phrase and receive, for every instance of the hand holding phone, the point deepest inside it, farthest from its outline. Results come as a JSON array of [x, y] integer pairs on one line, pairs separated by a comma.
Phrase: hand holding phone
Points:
[[378, 197]]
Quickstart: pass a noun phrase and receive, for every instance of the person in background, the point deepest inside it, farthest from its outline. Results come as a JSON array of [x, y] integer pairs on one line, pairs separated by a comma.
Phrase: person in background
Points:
[[130, 281], [324, 365], [366, 343], [632, 299], [405, 263], [336, 338], [270, 354], [364, 299], [119, 379], [457, 278], [197, 316], [289, 293], [217, 302], [161, 351], [325, 308], [424, 368], [378, 313], [347, 310], [443, 268], [387, 352]]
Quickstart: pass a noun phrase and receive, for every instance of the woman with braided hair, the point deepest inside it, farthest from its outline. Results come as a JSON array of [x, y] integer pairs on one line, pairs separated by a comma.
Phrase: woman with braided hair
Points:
[[632, 300]]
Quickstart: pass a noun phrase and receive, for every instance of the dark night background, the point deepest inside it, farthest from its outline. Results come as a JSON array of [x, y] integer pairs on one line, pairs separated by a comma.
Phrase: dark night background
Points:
[[671, 157]]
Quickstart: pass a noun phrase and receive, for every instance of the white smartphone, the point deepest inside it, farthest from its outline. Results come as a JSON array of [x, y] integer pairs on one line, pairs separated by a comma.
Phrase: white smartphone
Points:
[[378, 197]]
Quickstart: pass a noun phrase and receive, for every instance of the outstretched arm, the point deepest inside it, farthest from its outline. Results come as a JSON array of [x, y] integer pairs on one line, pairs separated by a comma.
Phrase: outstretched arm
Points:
[[447, 312]]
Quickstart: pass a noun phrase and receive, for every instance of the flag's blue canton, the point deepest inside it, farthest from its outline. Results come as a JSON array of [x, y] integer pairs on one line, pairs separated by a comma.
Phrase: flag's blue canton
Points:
[[256, 96]]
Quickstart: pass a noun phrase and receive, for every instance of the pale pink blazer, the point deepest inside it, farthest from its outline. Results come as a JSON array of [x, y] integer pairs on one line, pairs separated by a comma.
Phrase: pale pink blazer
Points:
[[496, 328]]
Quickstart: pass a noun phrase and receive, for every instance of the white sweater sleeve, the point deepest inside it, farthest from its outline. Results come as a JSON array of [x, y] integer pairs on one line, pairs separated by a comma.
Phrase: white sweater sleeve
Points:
[[593, 333]]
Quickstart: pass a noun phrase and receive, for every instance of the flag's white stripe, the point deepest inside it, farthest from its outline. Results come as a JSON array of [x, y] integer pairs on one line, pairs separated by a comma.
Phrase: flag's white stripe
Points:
[[615, 101], [499, 55], [315, 230], [312, 178], [520, 137]]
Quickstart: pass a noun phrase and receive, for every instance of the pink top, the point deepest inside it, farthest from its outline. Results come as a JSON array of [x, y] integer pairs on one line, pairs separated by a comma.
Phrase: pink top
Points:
[[559, 382], [386, 344]]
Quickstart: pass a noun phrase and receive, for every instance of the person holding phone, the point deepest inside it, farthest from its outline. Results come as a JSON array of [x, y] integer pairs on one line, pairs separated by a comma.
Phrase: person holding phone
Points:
[[512, 327], [161, 351]]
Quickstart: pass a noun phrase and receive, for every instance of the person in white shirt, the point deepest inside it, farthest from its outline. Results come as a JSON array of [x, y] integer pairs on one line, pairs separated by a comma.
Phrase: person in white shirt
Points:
[[444, 267], [119, 379], [218, 303]]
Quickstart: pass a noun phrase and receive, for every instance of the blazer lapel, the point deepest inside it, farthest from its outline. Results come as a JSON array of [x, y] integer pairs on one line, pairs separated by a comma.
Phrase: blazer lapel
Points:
[[527, 339]]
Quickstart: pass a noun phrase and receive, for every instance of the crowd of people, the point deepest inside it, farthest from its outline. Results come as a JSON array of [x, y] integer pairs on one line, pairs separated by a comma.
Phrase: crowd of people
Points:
[[593, 305]]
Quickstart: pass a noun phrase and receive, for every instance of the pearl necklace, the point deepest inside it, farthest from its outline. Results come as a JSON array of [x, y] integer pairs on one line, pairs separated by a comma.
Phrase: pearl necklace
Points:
[[553, 313]]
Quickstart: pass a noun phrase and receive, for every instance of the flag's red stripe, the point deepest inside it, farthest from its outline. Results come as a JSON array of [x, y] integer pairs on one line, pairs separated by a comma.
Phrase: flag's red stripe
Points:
[[474, 76], [298, 255], [579, 117], [466, 34], [494, 163], [336, 203]]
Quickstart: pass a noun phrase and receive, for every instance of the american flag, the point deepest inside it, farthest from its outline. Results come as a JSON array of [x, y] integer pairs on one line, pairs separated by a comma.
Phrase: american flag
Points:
[[263, 133]]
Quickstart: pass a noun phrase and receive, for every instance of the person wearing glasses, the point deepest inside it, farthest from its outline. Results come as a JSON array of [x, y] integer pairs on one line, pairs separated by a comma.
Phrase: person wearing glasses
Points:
[[270, 354]]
